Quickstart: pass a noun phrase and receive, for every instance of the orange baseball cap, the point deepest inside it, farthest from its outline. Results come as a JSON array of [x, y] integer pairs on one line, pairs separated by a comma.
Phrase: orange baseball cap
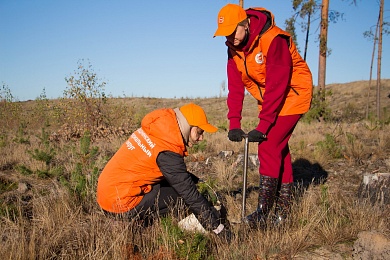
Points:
[[228, 18], [196, 116]]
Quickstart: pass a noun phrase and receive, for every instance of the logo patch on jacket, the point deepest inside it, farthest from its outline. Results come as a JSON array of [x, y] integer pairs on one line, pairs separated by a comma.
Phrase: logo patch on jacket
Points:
[[259, 58]]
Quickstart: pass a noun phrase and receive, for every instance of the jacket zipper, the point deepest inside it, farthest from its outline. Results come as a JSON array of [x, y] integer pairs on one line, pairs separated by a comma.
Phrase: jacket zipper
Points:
[[257, 84]]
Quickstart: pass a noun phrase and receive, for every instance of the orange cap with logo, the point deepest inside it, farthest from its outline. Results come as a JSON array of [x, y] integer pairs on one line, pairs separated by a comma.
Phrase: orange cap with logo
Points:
[[196, 116], [228, 18]]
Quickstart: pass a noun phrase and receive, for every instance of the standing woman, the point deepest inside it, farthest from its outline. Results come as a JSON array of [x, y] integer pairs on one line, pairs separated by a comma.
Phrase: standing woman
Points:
[[263, 59]]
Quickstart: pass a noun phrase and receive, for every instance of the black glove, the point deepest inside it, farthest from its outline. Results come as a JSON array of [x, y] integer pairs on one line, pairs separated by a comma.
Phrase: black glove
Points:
[[236, 135], [225, 234], [256, 136]]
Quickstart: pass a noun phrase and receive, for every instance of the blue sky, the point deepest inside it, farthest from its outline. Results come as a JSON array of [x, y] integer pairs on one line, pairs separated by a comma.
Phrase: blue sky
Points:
[[156, 48]]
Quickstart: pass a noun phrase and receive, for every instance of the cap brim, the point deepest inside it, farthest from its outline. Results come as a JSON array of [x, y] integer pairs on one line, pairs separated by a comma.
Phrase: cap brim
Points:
[[208, 128], [226, 30]]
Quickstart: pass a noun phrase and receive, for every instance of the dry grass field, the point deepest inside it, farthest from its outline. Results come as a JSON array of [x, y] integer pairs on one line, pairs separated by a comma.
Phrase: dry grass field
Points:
[[52, 151]]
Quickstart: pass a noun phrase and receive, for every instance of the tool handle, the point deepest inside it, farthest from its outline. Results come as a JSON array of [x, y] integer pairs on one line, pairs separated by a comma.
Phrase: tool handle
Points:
[[245, 173]]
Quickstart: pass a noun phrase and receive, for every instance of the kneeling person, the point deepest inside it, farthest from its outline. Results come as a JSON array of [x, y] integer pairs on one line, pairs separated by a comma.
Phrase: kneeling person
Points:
[[148, 175]]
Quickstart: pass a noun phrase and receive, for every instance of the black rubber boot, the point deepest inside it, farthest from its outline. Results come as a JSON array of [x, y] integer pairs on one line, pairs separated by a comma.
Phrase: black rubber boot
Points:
[[267, 192], [283, 203]]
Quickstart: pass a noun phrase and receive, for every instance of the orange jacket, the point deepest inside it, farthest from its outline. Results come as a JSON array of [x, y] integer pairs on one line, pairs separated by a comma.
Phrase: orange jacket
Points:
[[133, 170], [298, 99]]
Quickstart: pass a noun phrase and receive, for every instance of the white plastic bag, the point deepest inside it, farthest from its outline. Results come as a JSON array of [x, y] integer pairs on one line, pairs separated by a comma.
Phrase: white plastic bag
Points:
[[191, 223]]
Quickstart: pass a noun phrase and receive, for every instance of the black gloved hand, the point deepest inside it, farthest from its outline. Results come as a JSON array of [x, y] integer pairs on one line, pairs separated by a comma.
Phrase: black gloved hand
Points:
[[226, 235], [236, 135], [256, 136]]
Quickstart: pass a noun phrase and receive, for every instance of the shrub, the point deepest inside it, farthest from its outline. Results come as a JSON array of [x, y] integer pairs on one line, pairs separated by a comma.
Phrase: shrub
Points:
[[82, 180], [186, 245], [84, 100], [330, 147], [10, 110], [319, 109]]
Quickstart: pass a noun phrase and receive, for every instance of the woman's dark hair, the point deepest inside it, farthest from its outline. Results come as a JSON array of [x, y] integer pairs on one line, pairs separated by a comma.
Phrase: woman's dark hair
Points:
[[243, 22]]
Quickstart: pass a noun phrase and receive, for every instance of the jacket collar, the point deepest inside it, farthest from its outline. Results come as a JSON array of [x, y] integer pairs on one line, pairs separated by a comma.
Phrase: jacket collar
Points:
[[183, 125], [260, 21]]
